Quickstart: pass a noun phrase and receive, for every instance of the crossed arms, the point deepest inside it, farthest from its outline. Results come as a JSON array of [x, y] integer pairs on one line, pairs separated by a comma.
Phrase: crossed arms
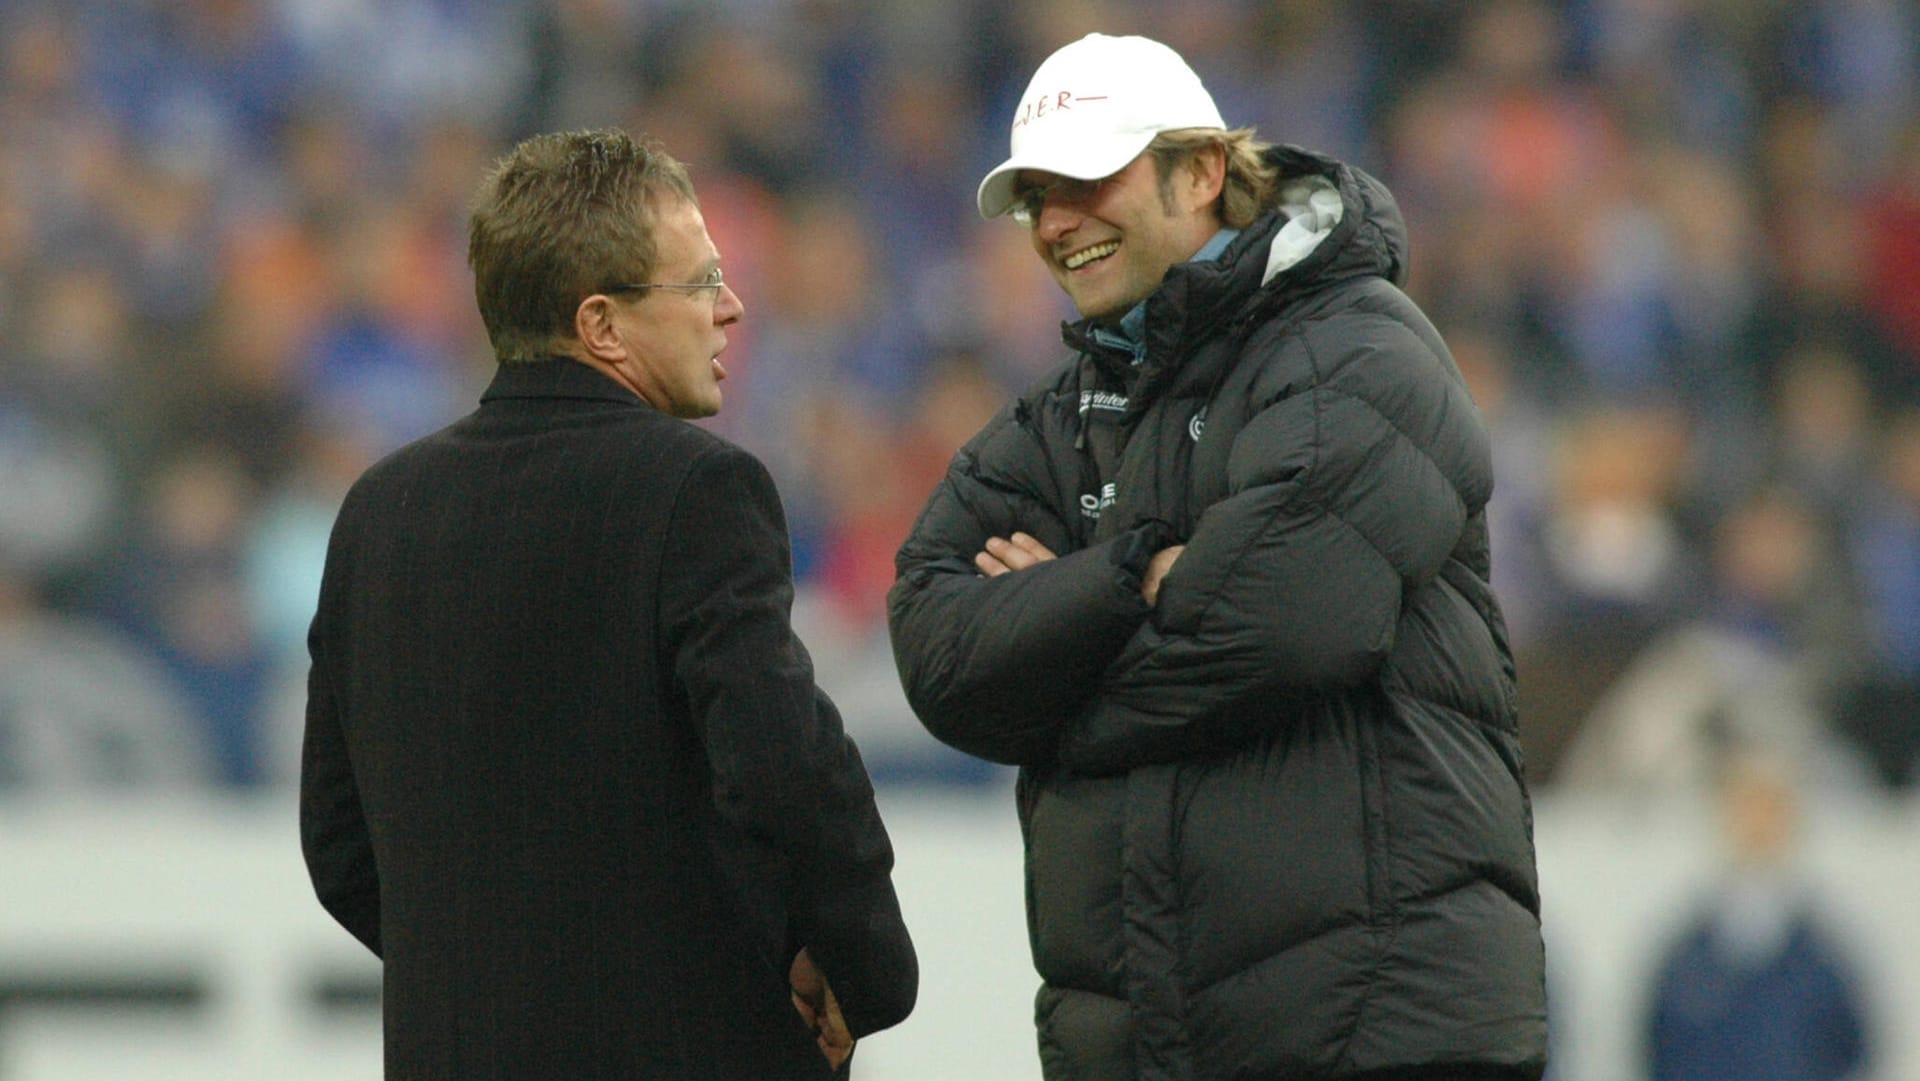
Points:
[[1015, 648]]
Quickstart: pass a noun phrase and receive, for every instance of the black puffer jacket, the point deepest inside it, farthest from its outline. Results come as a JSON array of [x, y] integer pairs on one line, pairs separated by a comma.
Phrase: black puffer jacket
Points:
[[1275, 826]]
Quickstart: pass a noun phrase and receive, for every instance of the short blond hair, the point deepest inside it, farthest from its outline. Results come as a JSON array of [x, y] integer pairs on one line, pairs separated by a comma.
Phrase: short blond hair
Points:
[[560, 217]]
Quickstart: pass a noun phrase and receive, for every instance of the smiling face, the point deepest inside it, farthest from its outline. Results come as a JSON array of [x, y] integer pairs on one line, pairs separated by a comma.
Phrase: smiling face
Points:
[[1109, 244], [672, 337]]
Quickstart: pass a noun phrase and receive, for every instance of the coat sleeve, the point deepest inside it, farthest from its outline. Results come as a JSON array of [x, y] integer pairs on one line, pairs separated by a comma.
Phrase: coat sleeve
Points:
[[995, 666], [785, 773], [1343, 497], [334, 837]]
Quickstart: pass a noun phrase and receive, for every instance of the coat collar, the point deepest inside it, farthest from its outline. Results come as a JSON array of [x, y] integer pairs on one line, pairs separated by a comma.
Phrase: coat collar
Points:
[[555, 377]]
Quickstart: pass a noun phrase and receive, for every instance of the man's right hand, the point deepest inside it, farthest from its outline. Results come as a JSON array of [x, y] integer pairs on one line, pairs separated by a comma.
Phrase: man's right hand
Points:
[[819, 1009]]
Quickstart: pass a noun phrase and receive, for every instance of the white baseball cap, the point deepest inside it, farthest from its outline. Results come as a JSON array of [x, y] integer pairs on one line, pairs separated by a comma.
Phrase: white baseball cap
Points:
[[1092, 107]]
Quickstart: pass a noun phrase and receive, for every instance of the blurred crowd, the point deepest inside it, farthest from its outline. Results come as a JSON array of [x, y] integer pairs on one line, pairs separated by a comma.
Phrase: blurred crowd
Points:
[[1675, 245]]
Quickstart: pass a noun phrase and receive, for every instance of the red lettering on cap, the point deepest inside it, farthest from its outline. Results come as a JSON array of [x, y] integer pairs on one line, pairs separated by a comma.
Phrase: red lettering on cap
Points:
[[1042, 105]]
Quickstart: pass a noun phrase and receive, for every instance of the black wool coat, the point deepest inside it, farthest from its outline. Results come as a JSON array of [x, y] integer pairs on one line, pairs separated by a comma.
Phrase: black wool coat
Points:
[[1276, 827], [566, 770]]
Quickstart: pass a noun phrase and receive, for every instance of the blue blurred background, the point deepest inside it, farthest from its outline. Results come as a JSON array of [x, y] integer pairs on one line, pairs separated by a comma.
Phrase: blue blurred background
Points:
[[1675, 245]]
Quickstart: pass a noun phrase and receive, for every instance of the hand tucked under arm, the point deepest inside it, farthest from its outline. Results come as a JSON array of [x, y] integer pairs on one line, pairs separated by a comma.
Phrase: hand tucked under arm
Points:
[[1157, 568]]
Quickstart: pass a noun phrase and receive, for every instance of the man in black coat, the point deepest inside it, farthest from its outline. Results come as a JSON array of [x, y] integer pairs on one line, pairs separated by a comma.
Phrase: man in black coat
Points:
[[566, 770], [1218, 585]]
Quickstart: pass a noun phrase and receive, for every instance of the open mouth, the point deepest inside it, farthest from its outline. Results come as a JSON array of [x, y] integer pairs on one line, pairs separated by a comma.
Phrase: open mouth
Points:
[[1091, 254]]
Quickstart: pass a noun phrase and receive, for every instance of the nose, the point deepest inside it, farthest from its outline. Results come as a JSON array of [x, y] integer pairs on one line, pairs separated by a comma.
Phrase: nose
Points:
[[727, 307], [1057, 219]]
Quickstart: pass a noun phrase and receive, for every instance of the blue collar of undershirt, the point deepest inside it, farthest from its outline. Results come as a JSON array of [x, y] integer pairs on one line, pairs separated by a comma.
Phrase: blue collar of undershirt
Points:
[[1130, 333]]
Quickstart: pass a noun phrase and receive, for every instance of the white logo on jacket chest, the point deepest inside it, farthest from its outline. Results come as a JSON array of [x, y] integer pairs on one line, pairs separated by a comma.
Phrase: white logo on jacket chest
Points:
[[1091, 505], [1198, 424]]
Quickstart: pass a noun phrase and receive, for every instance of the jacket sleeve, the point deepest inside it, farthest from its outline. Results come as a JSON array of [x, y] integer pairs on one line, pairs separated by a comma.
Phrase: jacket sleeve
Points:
[[1343, 498], [334, 837], [995, 666], [785, 773]]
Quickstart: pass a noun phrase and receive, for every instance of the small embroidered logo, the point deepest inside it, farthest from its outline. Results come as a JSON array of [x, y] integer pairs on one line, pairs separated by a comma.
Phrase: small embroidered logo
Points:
[[1091, 505], [1104, 400]]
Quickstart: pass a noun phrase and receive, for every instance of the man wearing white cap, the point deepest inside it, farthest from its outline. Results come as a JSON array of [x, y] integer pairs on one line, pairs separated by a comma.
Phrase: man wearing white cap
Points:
[[1219, 587]]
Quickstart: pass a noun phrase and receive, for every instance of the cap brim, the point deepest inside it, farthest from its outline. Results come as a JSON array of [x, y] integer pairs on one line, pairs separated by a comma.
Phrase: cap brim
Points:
[[1081, 161]]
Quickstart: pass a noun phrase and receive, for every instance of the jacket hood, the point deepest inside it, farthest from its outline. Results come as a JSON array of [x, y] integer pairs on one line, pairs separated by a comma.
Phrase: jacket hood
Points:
[[1372, 238]]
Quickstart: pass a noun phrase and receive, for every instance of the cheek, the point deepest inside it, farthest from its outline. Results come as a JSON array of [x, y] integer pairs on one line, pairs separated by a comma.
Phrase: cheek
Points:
[[691, 333]]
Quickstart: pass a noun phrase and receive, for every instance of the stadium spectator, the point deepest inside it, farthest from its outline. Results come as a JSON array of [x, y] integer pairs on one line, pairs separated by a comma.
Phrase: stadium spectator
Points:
[[1756, 984]]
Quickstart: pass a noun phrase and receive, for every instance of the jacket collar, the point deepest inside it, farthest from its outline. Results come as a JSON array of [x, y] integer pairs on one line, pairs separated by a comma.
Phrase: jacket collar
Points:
[[1130, 332], [555, 377]]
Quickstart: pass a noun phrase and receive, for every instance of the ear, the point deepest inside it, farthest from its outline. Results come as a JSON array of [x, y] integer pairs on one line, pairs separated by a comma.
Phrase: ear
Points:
[[1206, 176], [593, 325]]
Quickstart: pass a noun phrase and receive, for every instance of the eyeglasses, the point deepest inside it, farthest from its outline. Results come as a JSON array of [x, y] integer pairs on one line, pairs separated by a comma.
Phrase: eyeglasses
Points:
[[1028, 202], [714, 282]]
